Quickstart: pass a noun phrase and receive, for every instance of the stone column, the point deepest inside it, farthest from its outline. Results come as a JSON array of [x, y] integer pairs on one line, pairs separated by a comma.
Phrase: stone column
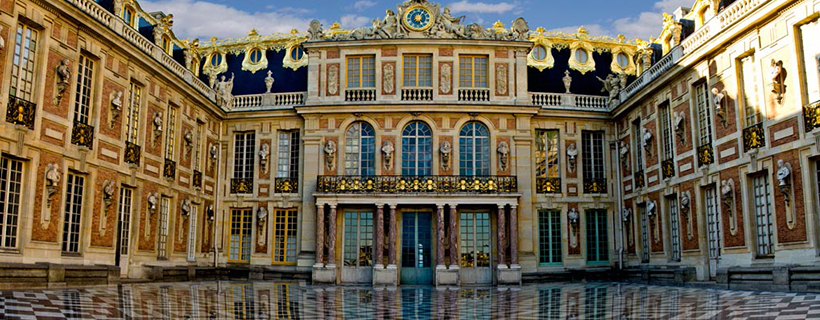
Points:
[[454, 253], [502, 243], [514, 235], [331, 238], [391, 235], [440, 236], [378, 244], [320, 235]]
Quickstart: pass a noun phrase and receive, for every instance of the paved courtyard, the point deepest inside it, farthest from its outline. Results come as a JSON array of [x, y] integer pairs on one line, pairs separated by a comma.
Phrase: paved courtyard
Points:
[[279, 300]]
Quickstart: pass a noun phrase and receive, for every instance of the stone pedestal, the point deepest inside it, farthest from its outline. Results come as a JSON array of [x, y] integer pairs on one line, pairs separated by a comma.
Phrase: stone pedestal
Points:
[[446, 277], [385, 276], [324, 274], [509, 275]]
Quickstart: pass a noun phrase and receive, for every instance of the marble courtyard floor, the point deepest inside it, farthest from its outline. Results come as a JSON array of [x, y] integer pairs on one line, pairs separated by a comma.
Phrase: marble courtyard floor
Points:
[[281, 300]]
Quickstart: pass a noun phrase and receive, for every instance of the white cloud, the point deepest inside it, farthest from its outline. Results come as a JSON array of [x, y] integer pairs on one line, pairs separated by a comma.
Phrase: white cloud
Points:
[[363, 4], [481, 7], [593, 29], [645, 25], [669, 6], [350, 21]]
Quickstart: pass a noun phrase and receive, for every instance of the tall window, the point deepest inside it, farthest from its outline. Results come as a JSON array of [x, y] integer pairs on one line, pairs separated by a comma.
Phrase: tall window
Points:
[[164, 216], [597, 236], [748, 81], [549, 236], [73, 213], [593, 154], [667, 144], [288, 161], [418, 70], [546, 154], [474, 150], [360, 150], [11, 178], [193, 216], [243, 155], [473, 72], [132, 115], [361, 72], [284, 236], [358, 246], [637, 149], [25, 57], [704, 114], [763, 215], [126, 196], [85, 77], [417, 150], [170, 135], [240, 249], [810, 46], [200, 132], [128, 15], [712, 223], [674, 226], [644, 233]]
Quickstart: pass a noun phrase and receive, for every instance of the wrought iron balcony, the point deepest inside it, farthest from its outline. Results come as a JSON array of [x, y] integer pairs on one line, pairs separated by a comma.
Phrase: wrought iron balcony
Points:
[[242, 185], [418, 184], [811, 114], [21, 112], [706, 155], [169, 170], [286, 185], [197, 179], [754, 137], [133, 153], [640, 182], [548, 185], [668, 168], [595, 186], [82, 135]]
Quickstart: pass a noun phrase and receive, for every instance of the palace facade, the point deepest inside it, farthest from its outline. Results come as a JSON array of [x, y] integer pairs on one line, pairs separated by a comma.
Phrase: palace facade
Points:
[[421, 150]]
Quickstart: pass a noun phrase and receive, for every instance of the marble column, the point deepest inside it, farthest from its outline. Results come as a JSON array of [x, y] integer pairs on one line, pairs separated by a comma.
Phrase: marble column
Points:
[[331, 237], [502, 243], [440, 235], [514, 235], [454, 253], [391, 235], [378, 245], [320, 235]]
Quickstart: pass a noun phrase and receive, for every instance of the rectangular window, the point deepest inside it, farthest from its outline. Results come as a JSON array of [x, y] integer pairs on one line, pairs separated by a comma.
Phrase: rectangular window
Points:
[[418, 70], [644, 233], [549, 303], [361, 72], [666, 131], [637, 148], [243, 301], [674, 226], [243, 155], [200, 132], [11, 178], [126, 195], [593, 154], [763, 215], [473, 71], [704, 114], [164, 216], [358, 246], [132, 115], [748, 83], [73, 213], [712, 222], [284, 236], [597, 237], [810, 46], [288, 161], [474, 242], [546, 154], [85, 82], [170, 135], [549, 236], [240, 250], [25, 57]]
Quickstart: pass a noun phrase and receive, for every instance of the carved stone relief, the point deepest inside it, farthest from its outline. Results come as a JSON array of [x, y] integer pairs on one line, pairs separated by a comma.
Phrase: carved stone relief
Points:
[[333, 80], [501, 79], [388, 77], [445, 84]]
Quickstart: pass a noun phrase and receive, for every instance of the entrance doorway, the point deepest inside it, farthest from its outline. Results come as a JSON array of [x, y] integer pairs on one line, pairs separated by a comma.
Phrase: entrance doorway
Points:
[[416, 248], [476, 256]]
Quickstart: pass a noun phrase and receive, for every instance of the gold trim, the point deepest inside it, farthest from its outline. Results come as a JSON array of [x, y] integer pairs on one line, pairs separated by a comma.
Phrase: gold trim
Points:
[[422, 29]]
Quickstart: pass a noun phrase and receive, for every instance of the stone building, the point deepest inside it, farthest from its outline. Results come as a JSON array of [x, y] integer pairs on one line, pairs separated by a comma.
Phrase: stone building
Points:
[[420, 150]]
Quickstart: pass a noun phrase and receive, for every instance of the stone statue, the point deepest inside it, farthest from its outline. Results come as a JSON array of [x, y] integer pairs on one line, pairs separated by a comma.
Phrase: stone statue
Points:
[[225, 91], [646, 140], [520, 29], [650, 208], [116, 107], [726, 191], [572, 217], [387, 151], [185, 207], [53, 178], [261, 220], [445, 149], [451, 24], [214, 152], [567, 80], [783, 173], [445, 85], [63, 73], [315, 32], [679, 117], [778, 76], [330, 155], [188, 139], [717, 100], [503, 156], [625, 213], [388, 75], [157, 122], [2, 42], [269, 81], [390, 25], [612, 85], [572, 155], [152, 202], [622, 78], [108, 193], [623, 150], [212, 81], [264, 153]]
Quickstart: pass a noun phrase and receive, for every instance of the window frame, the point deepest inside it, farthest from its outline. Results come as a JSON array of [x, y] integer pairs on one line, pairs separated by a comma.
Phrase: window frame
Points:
[[244, 226], [543, 151], [802, 62], [475, 76], [125, 211], [360, 73], [360, 150], [364, 236], [11, 192], [286, 221], [762, 208], [667, 139], [132, 116], [84, 95], [170, 134], [23, 73], [593, 155], [549, 238], [471, 146], [288, 154], [73, 214], [422, 148], [705, 121], [244, 155], [163, 228], [752, 113], [637, 148], [414, 73]]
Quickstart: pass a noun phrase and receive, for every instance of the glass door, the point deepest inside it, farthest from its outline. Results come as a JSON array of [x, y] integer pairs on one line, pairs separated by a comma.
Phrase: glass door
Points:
[[712, 230], [358, 247], [597, 241], [416, 248], [476, 256]]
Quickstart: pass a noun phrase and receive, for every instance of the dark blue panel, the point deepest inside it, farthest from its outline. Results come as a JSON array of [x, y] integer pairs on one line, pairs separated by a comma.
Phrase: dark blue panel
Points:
[[108, 5], [245, 82], [146, 30], [550, 80], [179, 55]]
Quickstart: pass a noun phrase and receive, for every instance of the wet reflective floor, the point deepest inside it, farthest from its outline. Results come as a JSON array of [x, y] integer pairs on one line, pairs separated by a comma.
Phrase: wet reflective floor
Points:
[[280, 300]]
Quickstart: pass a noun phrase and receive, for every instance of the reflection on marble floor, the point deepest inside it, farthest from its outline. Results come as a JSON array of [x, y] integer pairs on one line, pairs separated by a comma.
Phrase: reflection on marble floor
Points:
[[279, 300]]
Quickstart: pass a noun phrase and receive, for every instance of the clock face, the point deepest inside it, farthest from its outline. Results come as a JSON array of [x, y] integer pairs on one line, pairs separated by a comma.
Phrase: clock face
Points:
[[418, 19]]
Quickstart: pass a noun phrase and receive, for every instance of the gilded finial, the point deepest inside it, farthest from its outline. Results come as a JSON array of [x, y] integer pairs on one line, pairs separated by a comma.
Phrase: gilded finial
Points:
[[253, 33], [498, 25], [540, 30], [621, 38], [582, 30], [335, 26], [294, 31]]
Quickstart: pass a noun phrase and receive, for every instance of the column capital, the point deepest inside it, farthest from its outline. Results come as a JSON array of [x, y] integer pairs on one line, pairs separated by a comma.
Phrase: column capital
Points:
[[502, 206], [440, 206], [392, 206], [513, 206], [332, 205]]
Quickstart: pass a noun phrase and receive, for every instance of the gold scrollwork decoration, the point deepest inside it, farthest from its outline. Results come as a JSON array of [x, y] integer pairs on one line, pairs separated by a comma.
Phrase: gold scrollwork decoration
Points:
[[286, 185], [706, 155], [255, 55], [668, 168], [548, 185], [197, 180], [811, 115], [82, 135], [414, 184], [640, 181], [595, 186], [754, 137], [242, 185], [133, 153], [169, 170], [21, 112]]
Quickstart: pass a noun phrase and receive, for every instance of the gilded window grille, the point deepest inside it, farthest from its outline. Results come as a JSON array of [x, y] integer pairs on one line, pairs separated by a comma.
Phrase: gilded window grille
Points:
[[754, 137], [21, 112], [286, 185], [197, 179], [82, 135], [668, 168], [811, 115], [242, 185], [548, 185], [592, 186], [417, 184], [640, 182], [133, 152], [169, 170], [706, 155]]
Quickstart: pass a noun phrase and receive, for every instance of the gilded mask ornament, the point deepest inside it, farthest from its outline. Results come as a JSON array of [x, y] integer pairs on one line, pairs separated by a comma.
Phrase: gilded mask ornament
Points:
[[63, 73], [264, 154], [572, 155], [387, 153], [720, 110], [330, 155], [445, 149], [116, 107], [778, 75], [53, 177], [679, 117], [503, 156]]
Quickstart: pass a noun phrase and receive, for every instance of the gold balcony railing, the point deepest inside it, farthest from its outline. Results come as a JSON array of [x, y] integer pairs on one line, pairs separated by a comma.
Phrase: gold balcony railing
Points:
[[417, 184]]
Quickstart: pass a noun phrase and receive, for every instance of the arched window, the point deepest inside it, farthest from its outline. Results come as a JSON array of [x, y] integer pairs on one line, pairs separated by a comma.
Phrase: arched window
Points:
[[360, 150], [417, 150], [474, 150]]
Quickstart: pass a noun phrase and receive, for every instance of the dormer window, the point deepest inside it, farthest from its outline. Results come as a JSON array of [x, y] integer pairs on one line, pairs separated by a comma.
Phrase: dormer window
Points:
[[539, 53], [215, 59], [255, 56], [129, 15], [297, 53], [623, 60], [167, 44], [582, 56]]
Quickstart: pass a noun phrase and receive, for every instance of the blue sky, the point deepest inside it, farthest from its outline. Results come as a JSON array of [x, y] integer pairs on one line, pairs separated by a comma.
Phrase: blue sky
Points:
[[234, 18]]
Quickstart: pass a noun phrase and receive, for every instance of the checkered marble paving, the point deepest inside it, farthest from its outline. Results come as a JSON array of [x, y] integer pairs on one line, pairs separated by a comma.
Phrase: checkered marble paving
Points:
[[280, 300]]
